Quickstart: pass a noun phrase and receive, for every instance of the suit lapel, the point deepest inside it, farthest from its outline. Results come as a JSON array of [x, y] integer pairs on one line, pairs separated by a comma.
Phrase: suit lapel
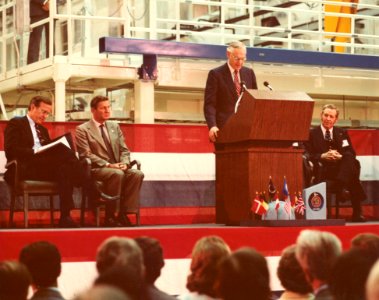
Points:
[[28, 131], [94, 131], [113, 137], [229, 83]]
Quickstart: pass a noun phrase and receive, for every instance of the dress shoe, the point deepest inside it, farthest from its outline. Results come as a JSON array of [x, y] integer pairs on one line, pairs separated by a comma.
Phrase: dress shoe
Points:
[[112, 222], [345, 195], [124, 220], [358, 219], [67, 222]]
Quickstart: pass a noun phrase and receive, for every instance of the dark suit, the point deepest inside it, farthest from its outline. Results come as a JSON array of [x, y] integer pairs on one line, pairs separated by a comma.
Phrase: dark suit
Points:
[[221, 96], [345, 171], [91, 145], [47, 294], [37, 14], [58, 163]]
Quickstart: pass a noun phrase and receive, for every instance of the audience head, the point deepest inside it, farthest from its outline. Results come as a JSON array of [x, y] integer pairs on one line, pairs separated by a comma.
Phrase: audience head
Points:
[[372, 283], [206, 256], [290, 273], [39, 109], [244, 275], [119, 263], [127, 278], [118, 251], [101, 292], [14, 281], [368, 242], [349, 274], [316, 252], [43, 261], [152, 256]]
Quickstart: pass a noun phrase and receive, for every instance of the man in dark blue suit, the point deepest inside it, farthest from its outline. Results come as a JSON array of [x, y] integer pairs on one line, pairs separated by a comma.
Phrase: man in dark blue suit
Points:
[[224, 87], [330, 147], [23, 137]]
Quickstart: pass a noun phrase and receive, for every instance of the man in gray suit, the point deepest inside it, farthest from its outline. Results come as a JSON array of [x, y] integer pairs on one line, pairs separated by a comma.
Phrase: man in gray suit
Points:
[[103, 143]]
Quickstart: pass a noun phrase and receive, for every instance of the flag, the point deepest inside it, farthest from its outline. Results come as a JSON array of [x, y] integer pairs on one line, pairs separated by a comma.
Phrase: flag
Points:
[[286, 198], [271, 189], [259, 206], [300, 207], [277, 203], [294, 200], [285, 192]]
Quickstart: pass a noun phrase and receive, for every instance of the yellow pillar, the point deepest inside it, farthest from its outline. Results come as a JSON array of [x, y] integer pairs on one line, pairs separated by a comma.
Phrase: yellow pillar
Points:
[[339, 24]]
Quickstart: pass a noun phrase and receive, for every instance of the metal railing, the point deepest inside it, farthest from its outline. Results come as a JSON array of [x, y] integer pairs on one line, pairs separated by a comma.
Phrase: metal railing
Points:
[[76, 25]]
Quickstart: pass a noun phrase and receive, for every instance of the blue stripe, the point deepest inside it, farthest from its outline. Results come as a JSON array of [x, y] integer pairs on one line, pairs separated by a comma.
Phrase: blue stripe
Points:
[[204, 51]]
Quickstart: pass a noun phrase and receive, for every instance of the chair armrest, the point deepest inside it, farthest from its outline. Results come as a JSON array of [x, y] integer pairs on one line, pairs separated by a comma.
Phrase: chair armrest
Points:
[[135, 162]]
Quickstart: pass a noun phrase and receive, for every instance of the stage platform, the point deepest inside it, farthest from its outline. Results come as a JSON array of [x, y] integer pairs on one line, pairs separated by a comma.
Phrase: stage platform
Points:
[[78, 247]]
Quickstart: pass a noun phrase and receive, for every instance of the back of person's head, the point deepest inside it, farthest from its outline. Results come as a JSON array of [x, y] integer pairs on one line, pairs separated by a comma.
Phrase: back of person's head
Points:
[[118, 251], [372, 283], [101, 292], [206, 256], [244, 275], [152, 256], [14, 281], [369, 242], [43, 261], [127, 278], [349, 275], [316, 252], [290, 273]]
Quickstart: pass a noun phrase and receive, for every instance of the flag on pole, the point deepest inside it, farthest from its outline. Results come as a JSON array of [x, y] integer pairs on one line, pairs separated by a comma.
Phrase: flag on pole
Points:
[[286, 198], [259, 206], [277, 203], [271, 189], [300, 207]]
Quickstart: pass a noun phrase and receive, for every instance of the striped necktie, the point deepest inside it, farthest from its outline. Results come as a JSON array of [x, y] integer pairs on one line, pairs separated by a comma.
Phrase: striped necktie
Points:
[[40, 136], [236, 83]]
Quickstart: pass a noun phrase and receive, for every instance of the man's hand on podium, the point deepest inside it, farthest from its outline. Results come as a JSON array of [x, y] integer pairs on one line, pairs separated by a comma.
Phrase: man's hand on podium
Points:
[[213, 134]]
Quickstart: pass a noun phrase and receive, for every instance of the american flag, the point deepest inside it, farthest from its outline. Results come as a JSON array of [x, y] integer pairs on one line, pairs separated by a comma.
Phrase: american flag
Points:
[[300, 207], [286, 198]]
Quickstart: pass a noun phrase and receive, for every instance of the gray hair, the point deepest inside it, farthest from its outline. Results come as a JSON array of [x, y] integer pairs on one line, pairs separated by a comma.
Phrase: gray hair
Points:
[[118, 251], [331, 106], [317, 251], [235, 45]]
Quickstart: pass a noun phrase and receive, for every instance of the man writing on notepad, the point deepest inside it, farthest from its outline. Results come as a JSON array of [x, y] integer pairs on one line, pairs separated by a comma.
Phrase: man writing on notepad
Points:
[[24, 136]]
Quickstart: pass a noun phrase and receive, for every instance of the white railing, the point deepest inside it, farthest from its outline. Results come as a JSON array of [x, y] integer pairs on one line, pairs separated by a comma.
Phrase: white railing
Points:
[[77, 25]]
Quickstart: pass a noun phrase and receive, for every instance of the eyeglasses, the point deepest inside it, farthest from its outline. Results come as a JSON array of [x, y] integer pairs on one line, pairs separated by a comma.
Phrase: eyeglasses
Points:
[[44, 112], [235, 58]]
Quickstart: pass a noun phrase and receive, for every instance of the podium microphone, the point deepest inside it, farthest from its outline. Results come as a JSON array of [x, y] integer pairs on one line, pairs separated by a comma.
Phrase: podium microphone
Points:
[[243, 86], [266, 84]]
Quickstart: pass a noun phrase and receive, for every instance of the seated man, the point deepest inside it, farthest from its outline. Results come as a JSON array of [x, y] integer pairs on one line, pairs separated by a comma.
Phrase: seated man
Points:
[[331, 146], [103, 143], [23, 136]]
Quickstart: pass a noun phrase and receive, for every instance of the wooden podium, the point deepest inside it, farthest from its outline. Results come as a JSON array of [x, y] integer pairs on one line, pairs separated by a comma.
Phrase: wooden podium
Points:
[[257, 142]]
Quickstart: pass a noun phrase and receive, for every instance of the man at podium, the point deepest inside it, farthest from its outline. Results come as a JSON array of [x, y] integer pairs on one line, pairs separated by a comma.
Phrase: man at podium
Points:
[[224, 86], [330, 150]]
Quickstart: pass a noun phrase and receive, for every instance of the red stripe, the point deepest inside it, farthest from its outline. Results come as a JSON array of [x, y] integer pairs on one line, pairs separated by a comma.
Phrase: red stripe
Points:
[[81, 245], [365, 142], [189, 138]]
